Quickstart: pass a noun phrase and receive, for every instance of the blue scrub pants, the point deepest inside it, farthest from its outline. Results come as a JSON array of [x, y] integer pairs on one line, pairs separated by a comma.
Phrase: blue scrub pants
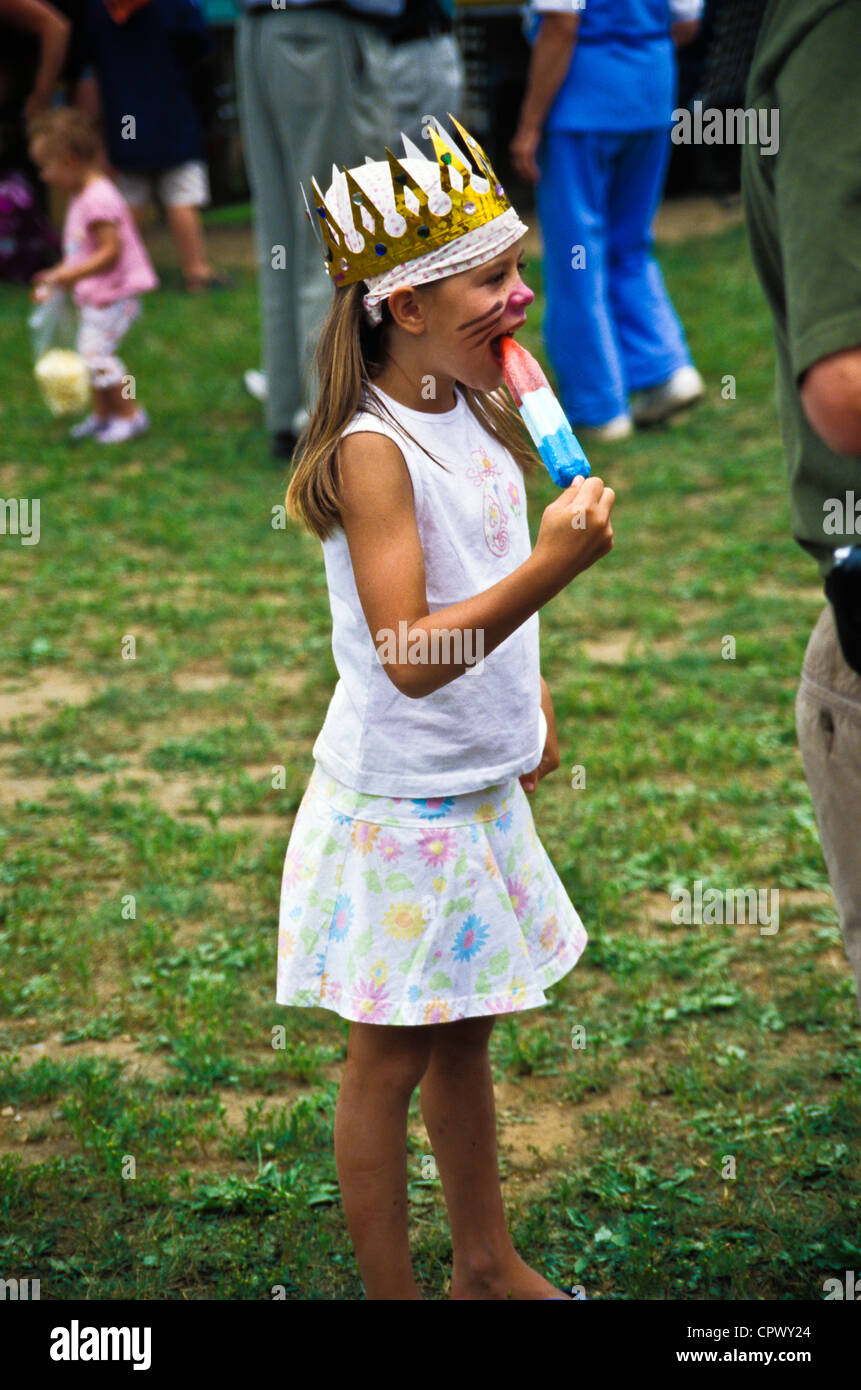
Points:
[[609, 327]]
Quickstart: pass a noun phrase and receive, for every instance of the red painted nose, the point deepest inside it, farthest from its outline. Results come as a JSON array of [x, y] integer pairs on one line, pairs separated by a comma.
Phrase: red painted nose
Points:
[[520, 298]]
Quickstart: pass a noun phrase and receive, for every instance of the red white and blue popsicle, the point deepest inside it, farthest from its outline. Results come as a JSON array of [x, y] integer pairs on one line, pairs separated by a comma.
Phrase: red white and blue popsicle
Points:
[[542, 414]]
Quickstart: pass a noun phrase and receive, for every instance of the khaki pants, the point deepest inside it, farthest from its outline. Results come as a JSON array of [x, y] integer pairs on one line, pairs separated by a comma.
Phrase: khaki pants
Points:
[[313, 89], [427, 79], [828, 720]]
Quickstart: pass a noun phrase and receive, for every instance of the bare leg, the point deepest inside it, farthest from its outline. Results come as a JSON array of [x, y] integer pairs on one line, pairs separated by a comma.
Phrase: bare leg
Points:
[[109, 400], [382, 1070], [101, 402], [187, 229], [460, 1116]]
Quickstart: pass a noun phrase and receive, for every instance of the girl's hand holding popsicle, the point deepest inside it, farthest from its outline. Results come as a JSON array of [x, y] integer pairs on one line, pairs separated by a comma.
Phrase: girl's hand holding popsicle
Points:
[[575, 529]]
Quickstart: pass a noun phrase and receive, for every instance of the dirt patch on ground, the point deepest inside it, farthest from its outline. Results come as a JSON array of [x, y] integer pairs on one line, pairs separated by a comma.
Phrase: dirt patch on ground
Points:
[[692, 611], [653, 910], [289, 680], [183, 594], [37, 1131], [282, 597], [202, 678], [612, 650], [616, 649], [233, 895], [273, 827], [41, 694], [34, 1132], [123, 1048], [15, 789], [679, 219], [173, 728], [175, 795], [538, 1132], [20, 477], [172, 792], [805, 897], [678, 782]]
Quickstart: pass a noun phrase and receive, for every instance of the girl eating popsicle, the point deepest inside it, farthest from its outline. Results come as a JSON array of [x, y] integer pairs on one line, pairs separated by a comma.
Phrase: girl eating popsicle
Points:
[[417, 900]]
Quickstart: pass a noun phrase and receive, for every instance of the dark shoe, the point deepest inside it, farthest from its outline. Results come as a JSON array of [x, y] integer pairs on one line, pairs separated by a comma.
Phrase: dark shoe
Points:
[[283, 444]]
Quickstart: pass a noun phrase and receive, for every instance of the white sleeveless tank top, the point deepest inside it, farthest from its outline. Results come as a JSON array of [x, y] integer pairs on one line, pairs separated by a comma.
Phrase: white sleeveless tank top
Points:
[[486, 725]]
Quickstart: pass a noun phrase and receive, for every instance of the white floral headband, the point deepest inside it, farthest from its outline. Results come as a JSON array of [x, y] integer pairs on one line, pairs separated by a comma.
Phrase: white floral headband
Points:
[[471, 250]]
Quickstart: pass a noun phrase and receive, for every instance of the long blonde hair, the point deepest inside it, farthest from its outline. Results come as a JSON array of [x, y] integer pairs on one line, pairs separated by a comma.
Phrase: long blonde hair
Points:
[[350, 353]]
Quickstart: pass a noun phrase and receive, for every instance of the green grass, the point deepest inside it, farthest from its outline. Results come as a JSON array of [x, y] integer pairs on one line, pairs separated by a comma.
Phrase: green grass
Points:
[[143, 843], [230, 215]]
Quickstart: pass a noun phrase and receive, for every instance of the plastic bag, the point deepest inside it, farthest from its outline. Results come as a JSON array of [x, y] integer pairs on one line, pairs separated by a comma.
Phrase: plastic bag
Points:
[[62, 374]]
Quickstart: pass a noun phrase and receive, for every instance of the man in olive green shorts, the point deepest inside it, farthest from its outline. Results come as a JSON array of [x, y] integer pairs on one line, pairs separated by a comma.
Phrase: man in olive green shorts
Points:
[[803, 208]]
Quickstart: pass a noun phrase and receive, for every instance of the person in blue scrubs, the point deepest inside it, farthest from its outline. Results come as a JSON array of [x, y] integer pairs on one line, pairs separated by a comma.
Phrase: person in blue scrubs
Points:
[[594, 135]]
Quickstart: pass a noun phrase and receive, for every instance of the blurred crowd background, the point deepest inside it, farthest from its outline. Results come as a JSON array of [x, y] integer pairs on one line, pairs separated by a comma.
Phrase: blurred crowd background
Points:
[[200, 103], [48, 57]]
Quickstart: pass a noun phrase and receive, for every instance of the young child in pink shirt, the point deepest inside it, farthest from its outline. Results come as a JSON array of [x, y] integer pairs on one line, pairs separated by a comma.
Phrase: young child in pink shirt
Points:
[[104, 261]]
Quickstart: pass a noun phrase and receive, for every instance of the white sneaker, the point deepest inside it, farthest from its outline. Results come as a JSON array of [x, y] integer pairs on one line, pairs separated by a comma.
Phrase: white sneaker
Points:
[[93, 424], [683, 388], [256, 384], [617, 428], [117, 430]]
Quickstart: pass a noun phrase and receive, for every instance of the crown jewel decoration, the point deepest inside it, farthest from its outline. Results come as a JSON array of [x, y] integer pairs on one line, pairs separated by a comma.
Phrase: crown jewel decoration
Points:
[[415, 221]]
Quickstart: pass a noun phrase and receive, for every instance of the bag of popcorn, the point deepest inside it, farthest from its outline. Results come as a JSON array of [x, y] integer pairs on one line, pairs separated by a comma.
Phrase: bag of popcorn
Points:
[[61, 372]]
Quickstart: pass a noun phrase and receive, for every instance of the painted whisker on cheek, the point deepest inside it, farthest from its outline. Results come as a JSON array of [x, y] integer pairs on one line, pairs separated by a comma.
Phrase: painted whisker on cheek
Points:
[[477, 324], [482, 342], [484, 334]]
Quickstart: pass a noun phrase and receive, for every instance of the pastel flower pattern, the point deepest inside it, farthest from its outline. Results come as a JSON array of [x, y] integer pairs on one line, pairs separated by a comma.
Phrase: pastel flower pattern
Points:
[[411, 911], [437, 846], [364, 836]]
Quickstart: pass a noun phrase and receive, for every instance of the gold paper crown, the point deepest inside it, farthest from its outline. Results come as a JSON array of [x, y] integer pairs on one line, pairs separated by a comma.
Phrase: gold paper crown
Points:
[[461, 210]]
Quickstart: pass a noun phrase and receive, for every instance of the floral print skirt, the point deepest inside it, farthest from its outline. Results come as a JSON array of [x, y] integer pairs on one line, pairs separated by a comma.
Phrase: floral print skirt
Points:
[[406, 911]]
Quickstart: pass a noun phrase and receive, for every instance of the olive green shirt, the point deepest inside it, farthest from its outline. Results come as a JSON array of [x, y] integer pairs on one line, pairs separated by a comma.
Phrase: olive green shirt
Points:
[[803, 210]]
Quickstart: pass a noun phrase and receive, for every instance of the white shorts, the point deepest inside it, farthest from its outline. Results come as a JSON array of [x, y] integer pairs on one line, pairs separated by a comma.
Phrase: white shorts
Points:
[[186, 185]]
